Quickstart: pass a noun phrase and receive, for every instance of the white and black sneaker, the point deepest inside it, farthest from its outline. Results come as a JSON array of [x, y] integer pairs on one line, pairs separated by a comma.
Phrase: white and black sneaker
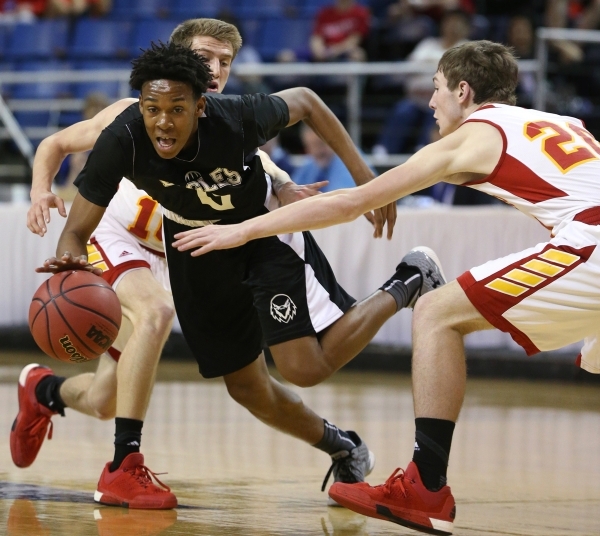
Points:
[[351, 466], [427, 262]]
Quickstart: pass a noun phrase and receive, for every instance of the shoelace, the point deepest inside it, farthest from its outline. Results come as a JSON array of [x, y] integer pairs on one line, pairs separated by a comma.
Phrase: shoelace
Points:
[[397, 476], [344, 470], [144, 476], [36, 427]]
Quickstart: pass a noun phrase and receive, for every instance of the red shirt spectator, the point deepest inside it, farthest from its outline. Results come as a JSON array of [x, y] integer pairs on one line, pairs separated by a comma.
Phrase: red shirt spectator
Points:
[[339, 30]]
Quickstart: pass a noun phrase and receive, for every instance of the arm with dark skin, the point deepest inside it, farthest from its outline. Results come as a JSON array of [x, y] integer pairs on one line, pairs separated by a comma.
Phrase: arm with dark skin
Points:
[[305, 105], [71, 251]]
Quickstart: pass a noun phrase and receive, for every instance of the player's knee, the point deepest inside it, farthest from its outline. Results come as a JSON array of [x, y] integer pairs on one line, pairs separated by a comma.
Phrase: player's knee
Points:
[[247, 394], [302, 375], [157, 316], [429, 312], [104, 410]]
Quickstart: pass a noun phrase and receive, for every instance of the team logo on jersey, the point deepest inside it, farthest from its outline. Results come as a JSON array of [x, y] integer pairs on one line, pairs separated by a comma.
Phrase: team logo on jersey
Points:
[[193, 180], [166, 184], [125, 253], [283, 309]]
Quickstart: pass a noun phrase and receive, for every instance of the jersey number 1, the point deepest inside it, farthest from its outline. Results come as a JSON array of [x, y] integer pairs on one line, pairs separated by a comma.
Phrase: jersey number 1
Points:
[[139, 227]]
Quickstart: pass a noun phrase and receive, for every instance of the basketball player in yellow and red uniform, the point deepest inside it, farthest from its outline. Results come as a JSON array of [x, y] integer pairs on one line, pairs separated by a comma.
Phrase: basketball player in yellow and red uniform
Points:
[[546, 297]]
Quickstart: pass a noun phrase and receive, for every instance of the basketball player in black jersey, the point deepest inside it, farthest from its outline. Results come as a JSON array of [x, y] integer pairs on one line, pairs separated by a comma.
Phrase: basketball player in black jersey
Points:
[[196, 155]]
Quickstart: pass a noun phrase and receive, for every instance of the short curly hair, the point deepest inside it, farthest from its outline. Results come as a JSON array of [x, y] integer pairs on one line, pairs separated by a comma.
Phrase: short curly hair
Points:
[[171, 62]]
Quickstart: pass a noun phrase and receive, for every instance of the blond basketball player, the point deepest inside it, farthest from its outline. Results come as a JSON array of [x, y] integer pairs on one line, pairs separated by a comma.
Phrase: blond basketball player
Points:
[[548, 296], [132, 239]]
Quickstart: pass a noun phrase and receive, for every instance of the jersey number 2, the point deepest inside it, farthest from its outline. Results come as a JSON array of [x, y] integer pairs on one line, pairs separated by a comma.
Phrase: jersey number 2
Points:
[[557, 137]]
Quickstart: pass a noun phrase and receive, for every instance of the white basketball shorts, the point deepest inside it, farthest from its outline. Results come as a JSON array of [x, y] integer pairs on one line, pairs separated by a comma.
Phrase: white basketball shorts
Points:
[[547, 296]]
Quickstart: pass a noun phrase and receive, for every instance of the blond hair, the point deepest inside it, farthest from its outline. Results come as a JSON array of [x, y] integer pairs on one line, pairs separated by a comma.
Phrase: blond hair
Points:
[[222, 31]]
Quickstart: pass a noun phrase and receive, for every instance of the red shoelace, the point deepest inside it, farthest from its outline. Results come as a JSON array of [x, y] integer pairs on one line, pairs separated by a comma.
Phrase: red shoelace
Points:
[[144, 476], [35, 427], [396, 477]]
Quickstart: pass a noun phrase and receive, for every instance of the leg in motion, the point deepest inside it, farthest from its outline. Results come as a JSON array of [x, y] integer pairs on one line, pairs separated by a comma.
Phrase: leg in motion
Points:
[[308, 361], [279, 407], [419, 497], [126, 481]]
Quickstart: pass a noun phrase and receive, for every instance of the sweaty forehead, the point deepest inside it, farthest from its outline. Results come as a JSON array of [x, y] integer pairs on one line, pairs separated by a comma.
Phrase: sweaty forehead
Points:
[[172, 89]]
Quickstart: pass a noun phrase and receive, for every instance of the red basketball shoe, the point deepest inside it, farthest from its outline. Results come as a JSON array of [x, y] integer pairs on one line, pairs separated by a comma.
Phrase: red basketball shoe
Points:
[[131, 486], [403, 499], [33, 420]]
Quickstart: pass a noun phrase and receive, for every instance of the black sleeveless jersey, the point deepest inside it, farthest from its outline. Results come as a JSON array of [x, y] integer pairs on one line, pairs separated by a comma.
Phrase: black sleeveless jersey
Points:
[[220, 179]]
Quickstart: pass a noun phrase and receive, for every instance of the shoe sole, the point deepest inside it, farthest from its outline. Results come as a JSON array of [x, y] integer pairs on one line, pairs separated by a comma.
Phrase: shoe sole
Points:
[[332, 502], [439, 527], [110, 500]]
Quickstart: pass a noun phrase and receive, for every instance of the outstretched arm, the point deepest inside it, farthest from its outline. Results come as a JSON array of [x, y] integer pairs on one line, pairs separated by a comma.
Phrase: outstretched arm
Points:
[[49, 156], [305, 105], [470, 152], [286, 190]]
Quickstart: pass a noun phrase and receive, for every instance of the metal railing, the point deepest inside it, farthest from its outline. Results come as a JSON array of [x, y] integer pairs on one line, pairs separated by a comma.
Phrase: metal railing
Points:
[[354, 74]]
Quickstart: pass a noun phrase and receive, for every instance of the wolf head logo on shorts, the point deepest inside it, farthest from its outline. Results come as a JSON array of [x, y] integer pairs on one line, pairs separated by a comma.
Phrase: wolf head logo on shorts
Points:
[[283, 309]]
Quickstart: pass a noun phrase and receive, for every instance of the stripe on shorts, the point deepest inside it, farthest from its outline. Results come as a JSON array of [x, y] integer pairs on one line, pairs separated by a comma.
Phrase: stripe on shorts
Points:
[[504, 289]]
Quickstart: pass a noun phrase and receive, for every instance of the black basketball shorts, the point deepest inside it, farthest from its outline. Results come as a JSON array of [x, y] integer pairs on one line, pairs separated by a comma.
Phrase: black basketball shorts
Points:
[[231, 303]]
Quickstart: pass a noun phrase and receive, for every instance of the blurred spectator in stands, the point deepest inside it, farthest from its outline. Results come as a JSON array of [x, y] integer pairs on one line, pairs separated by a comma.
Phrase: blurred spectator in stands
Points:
[[238, 85], [412, 113], [339, 32], [278, 154], [94, 103], [322, 164], [403, 27], [521, 37], [12, 11], [78, 8], [558, 15]]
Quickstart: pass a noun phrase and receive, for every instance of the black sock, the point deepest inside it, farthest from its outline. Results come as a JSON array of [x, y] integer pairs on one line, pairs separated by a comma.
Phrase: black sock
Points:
[[335, 440], [403, 285], [128, 437], [47, 393], [432, 449]]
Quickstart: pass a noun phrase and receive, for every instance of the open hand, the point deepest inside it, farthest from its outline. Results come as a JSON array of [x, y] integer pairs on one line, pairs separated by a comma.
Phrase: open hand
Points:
[[210, 237], [38, 215], [67, 262]]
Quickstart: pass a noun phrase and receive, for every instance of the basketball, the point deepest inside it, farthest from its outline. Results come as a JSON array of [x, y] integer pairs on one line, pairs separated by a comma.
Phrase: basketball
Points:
[[74, 316]]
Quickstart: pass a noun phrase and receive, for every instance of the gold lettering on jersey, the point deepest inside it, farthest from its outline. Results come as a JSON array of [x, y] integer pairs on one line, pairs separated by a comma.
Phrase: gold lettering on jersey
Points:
[[506, 287], [526, 278], [212, 203], [230, 178], [559, 257]]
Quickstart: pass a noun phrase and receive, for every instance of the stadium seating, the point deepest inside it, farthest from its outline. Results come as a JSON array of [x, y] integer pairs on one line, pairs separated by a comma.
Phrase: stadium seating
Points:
[[289, 33], [190, 9], [147, 31], [100, 39], [138, 9], [42, 40], [111, 89]]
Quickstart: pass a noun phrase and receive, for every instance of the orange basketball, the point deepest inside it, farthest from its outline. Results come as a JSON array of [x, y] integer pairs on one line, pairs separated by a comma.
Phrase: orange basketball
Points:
[[75, 316]]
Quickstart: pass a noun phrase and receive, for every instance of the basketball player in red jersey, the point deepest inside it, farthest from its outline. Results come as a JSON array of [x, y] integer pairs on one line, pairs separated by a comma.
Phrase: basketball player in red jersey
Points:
[[548, 296]]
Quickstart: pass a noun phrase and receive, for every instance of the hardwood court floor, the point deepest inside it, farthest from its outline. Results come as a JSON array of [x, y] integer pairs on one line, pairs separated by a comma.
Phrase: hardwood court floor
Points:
[[524, 461]]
